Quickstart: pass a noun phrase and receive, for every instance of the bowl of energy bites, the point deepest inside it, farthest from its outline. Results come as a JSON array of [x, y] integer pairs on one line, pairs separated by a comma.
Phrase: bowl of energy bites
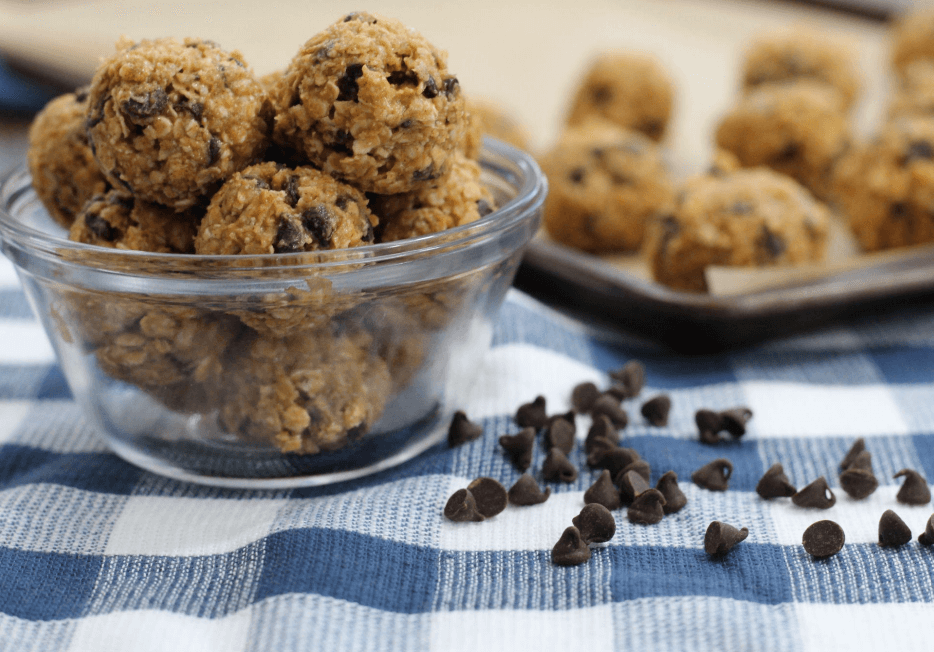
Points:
[[269, 281]]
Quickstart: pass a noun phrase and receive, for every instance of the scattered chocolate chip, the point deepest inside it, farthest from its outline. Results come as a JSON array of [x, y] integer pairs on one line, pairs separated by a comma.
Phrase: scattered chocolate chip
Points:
[[631, 376], [775, 484], [560, 434], [641, 467], [926, 538], [648, 508], [858, 447], [817, 494], [431, 89], [675, 500], [490, 496], [614, 459], [721, 537], [519, 447], [610, 407], [918, 150], [656, 409], [347, 83], [735, 419], [320, 223], [558, 468], [462, 430], [569, 416], [596, 448], [709, 425], [858, 480], [532, 414], [461, 507], [595, 523], [583, 397], [714, 475], [602, 428], [142, 107], [915, 490], [892, 530], [823, 539], [289, 236], [603, 492], [631, 485], [570, 549], [527, 492]]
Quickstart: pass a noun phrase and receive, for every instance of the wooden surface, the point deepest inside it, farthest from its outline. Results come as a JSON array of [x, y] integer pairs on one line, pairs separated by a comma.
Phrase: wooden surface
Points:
[[527, 55]]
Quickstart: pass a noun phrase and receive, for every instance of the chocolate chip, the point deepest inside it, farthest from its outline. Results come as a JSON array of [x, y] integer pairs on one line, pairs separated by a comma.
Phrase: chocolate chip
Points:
[[709, 425], [614, 459], [402, 77], [560, 434], [899, 211], [426, 174], [462, 430], [100, 227], [342, 202], [483, 207], [558, 468], [490, 496], [788, 153], [570, 549], [184, 105], [631, 485], [817, 494], [775, 484], [773, 244], [461, 507], [450, 87], [291, 190], [858, 447], [532, 414], [631, 376], [290, 237], [915, 490], [214, 151], [260, 183], [596, 449], [675, 500], [583, 397], [892, 530], [857, 480], [721, 537], [648, 508], [610, 407], [577, 175], [735, 419], [741, 207], [601, 94], [652, 128], [823, 539], [918, 150], [595, 524], [319, 222], [603, 492], [81, 94], [519, 447], [347, 83], [147, 105], [527, 492], [714, 475], [656, 409], [641, 467], [431, 89], [602, 428], [926, 538]]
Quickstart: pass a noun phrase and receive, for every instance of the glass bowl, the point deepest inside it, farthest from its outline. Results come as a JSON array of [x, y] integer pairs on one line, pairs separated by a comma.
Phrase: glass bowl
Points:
[[279, 370]]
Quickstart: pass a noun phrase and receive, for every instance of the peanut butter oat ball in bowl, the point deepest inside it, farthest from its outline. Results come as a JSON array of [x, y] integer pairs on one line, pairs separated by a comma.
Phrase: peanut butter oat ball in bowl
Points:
[[630, 89], [170, 120], [750, 217], [370, 101], [64, 172], [912, 38], [604, 184]]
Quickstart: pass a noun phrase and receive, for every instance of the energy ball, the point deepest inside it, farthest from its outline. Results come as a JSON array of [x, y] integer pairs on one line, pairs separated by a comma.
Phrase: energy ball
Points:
[[802, 54], [64, 172], [371, 102], [455, 199], [750, 217], [604, 184], [268, 208], [169, 121], [886, 187], [120, 221], [799, 129], [912, 37], [630, 89], [495, 121], [914, 95]]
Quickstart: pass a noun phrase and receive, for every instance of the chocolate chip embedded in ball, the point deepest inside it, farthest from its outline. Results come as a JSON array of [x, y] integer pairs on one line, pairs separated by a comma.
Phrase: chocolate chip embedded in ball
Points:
[[490, 496], [893, 531], [463, 430], [775, 484], [603, 492], [656, 410], [527, 492], [462, 507], [571, 550], [715, 475], [817, 495], [595, 523], [532, 414], [721, 537], [558, 468], [823, 539], [915, 490]]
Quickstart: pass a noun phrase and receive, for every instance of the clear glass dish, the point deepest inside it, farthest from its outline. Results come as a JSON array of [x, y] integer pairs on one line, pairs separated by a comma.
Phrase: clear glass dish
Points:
[[279, 370]]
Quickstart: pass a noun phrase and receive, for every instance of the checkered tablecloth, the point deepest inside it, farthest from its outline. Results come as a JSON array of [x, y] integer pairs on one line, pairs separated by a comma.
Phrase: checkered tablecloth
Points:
[[96, 555]]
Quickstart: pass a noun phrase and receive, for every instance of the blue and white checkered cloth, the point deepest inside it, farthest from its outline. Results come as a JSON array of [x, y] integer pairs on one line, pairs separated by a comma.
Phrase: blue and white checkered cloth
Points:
[[96, 555]]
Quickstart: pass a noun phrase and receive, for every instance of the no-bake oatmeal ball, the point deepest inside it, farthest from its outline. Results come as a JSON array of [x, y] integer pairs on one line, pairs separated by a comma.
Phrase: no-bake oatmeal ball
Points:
[[604, 184], [750, 217], [802, 54], [914, 94], [169, 120], [885, 187], [912, 36], [495, 120], [120, 221], [64, 172], [370, 101], [269, 208], [630, 89], [798, 129]]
